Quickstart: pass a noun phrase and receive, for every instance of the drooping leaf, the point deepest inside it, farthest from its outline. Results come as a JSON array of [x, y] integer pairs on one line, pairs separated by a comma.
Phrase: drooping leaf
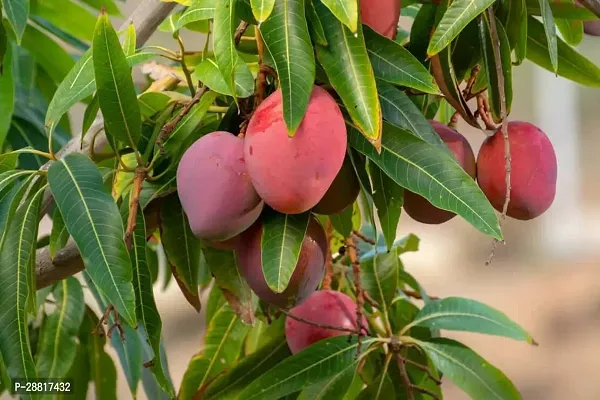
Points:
[[394, 64], [408, 160], [286, 38], [346, 62], [455, 313], [571, 64], [314, 364], [342, 221], [59, 234], [129, 352], [315, 27], [152, 190], [151, 386], [66, 15], [389, 198], [281, 241], [223, 267], [181, 246], [223, 342], [129, 43], [17, 12], [567, 10], [92, 219], [469, 371], [262, 9], [513, 14], [421, 29], [399, 110], [11, 193], [489, 32], [233, 69], [199, 10], [58, 348], [145, 305], [359, 163], [454, 20], [550, 29], [90, 114], [116, 93], [571, 30], [7, 100], [248, 370], [16, 277], [79, 374]]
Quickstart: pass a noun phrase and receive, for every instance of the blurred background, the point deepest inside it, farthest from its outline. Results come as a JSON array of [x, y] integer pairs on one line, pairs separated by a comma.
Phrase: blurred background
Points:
[[546, 277]]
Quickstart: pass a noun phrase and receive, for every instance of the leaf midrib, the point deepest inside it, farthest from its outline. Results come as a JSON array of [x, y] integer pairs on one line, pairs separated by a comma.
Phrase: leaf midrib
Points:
[[61, 317], [452, 314], [218, 350], [385, 60], [88, 214]]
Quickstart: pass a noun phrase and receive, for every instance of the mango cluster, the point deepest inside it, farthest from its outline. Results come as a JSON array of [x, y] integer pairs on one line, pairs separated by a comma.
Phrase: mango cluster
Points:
[[533, 172]]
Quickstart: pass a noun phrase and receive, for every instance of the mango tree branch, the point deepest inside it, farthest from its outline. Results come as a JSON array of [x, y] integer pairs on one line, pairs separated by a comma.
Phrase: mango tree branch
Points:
[[145, 18]]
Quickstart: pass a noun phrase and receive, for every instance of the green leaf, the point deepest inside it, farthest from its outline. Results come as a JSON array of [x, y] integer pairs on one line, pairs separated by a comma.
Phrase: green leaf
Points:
[[59, 234], [342, 221], [559, 9], [455, 19], [286, 38], [222, 344], [173, 146], [152, 103], [7, 100], [388, 197], [92, 219], [550, 29], [79, 374], [571, 30], [8, 162], [16, 277], [262, 9], [152, 190], [129, 351], [200, 10], [66, 15], [116, 93], [394, 64], [469, 371], [181, 246], [54, 59], [515, 24], [90, 114], [145, 305], [399, 110], [571, 64], [109, 5], [223, 267], [234, 70], [459, 314], [488, 45], [349, 70], [248, 370], [380, 277], [315, 27], [346, 11], [129, 43], [314, 364], [11, 192], [334, 388], [282, 236], [434, 174], [208, 73], [359, 163], [102, 369], [421, 29], [58, 348], [17, 12]]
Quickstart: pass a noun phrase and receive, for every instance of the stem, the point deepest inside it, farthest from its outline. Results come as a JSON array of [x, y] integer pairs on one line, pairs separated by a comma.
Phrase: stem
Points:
[[507, 158], [205, 50], [160, 121], [49, 156], [328, 270], [364, 238], [217, 109], [325, 326], [354, 255], [417, 295], [239, 32], [405, 379], [171, 53], [138, 180], [186, 71], [261, 79]]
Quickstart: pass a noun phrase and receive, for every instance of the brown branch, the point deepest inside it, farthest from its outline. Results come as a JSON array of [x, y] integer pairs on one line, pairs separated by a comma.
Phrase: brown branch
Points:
[[239, 32], [421, 367], [592, 5], [354, 255], [364, 238], [472, 79], [425, 391], [325, 326], [405, 378], [261, 79], [328, 259], [483, 110], [507, 165], [417, 295], [136, 189], [170, 127]]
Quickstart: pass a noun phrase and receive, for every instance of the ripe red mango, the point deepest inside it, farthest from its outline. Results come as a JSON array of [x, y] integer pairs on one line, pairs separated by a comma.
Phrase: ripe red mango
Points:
[[342, 192], [381, 15], [417, 206], [325, 307], [592, 28], [292, 174], [306, 277], [533, 170], [214, 187]]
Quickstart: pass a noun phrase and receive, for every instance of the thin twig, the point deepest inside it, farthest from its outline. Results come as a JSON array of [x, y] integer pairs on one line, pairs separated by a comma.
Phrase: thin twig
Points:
[[325, 326], [454, 120], [364, 238], [425, 391], [423, 368], [239, 32], [354, 255], [405, 378], [507, 159], [168, 128], [184, 68], [483, 110], [472, 79], [328, 259], [417, 295]]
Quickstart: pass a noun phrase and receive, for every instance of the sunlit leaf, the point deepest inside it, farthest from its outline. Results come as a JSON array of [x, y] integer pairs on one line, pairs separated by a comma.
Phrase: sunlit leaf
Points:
[[208, 73], [346, 11], [66, 15], [262, 9], [199, 10]]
